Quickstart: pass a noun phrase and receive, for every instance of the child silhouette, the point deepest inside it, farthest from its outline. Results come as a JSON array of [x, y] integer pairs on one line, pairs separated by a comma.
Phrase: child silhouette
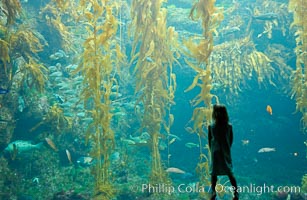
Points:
[[220, 138]]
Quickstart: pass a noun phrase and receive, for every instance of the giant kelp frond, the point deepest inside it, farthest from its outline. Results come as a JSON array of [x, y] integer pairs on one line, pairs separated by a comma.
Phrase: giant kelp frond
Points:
[[203, 9], [304, 183], [35, 74], [199, 114], [105, 192], [3, 31], [200, 53], [25, 42], [261, 64], [210, 15], [230, 74], [203, 170], [155, 81], [65, 34], [280, 55], [11, 9], [55, 119], [96, 66], [4, 54], [59, 15], [299, 82], [63, 5], [203, 167]]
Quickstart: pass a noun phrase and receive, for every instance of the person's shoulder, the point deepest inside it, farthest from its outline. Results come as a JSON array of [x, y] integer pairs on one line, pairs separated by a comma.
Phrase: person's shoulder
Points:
[[229, 125]]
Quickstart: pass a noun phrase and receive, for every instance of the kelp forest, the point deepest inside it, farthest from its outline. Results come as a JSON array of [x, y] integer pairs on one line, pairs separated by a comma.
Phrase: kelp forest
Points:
[[111, 99]]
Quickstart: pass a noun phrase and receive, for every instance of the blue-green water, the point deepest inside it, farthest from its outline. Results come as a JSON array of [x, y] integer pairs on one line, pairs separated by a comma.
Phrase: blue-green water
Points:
[[51, 156]]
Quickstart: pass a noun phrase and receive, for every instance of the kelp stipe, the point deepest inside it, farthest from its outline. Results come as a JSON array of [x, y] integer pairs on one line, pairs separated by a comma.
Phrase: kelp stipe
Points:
[[96, 67], [304, 183], [298, 78], [155, 80], [12, 10], [4, 55], [200, 49]]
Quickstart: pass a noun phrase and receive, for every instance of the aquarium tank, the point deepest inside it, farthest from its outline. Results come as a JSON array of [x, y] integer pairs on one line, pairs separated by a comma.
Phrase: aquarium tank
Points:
[[112, 99]]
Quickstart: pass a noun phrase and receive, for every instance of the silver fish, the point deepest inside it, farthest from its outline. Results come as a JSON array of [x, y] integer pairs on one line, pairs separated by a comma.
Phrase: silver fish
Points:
[[266, 149]]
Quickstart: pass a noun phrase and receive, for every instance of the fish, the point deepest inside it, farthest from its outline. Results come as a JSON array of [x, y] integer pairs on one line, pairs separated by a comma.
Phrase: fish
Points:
[[149, 59], [58, 55], [4, 91], [175, 136], [87, 119], [175, 170], [63, 53], [52, 68], [269, 109], [266, 150], [230, 30], [245, 142], [22, 146], [59, 98], [85, 161], [115, 156], [140, 139], [69, 114], [56, 74], [119, 114], [81, 114], [68, 156], [189, 129], [72, 67], [128, 141], [114, 88], [266, 16], [191, 145], [115, 95], [51, 144], [172, 141], [70, 92], [55, 56]]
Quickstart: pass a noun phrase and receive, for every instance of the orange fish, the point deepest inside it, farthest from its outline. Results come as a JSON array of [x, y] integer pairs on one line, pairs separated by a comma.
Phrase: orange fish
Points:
[[269, 109], [51, 144], [68, 156]]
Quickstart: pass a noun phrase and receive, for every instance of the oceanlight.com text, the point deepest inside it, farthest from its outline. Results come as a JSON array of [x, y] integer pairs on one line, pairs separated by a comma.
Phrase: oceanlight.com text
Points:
[[257, 189], [220, 188]]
